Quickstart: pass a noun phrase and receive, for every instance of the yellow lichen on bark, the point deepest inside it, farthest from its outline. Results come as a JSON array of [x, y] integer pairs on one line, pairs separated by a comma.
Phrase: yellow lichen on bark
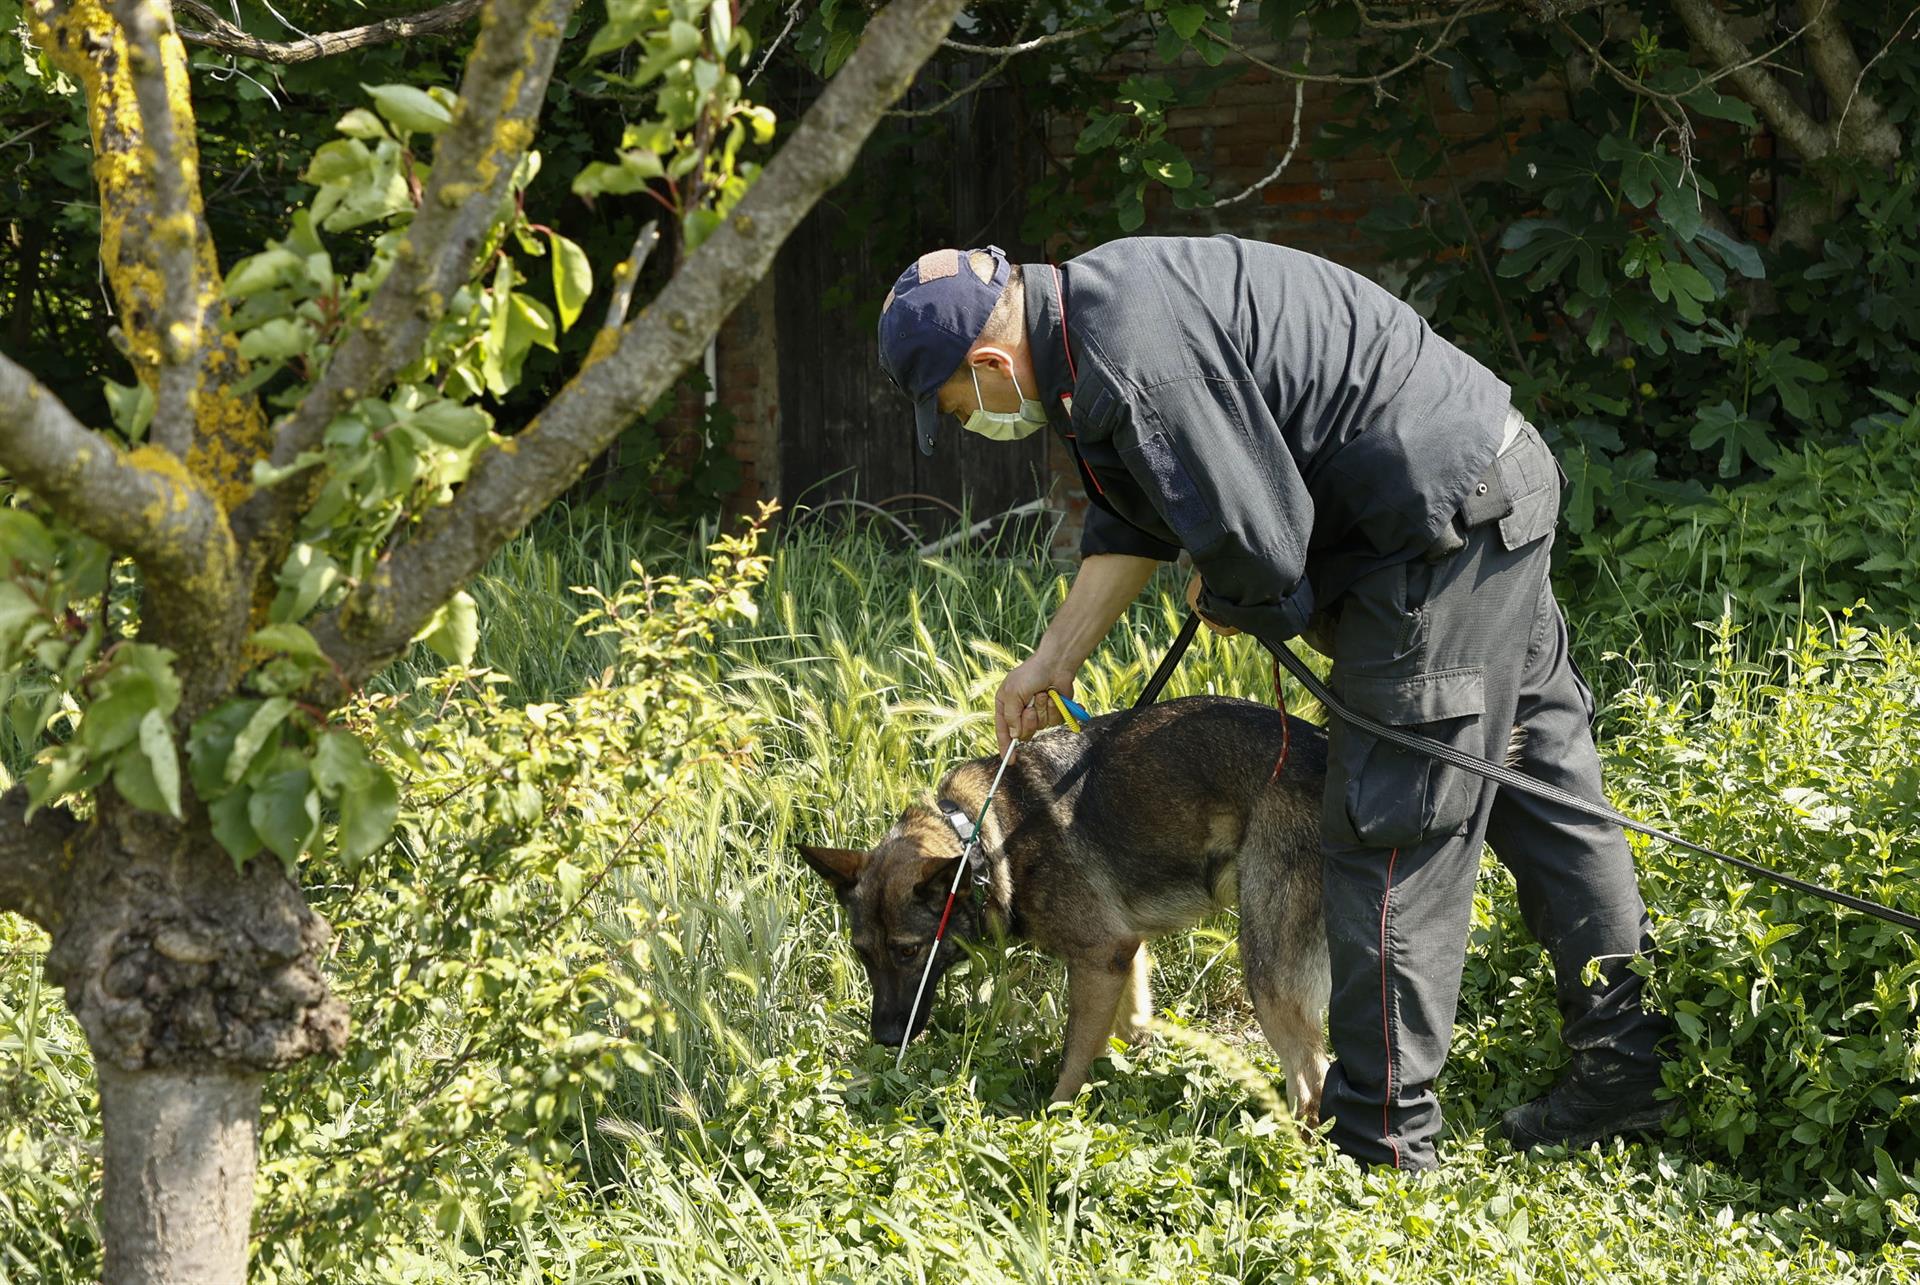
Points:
[[83, 39]]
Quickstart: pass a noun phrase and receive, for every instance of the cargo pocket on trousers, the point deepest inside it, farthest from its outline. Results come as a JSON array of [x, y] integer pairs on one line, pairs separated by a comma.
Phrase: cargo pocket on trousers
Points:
[[1382, 796], [1532, 477]]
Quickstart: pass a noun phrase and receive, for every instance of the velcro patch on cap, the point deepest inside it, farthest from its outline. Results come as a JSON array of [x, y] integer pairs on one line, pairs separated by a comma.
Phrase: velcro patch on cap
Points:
[[939, 263]]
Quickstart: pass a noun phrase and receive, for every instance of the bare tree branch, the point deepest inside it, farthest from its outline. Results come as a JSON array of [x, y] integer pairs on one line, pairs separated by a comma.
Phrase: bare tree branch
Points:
[[32, 857], [474, 159], [1714, 38], [1862, 128], [144, 503], [1038, 42], [509, 485], [1293, 140], [221, 36], [627, 275]]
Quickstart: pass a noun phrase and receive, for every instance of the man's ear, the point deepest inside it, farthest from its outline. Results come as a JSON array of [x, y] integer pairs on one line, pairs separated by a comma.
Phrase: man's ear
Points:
[[840, 867]]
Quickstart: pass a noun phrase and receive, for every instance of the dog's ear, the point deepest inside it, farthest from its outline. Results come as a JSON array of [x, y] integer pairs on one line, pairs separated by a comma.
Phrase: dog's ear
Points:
[[935, 880], [840, 867]]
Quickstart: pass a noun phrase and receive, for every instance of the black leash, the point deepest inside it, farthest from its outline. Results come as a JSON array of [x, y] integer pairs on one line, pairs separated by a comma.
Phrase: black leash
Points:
[[1502, 775], [1170, 662]]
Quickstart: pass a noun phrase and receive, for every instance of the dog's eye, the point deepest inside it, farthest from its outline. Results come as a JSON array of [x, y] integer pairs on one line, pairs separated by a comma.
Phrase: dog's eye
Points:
[[908, 953]]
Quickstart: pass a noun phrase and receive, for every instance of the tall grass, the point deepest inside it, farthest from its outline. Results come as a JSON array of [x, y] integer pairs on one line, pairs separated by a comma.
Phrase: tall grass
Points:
[[773, 1143]]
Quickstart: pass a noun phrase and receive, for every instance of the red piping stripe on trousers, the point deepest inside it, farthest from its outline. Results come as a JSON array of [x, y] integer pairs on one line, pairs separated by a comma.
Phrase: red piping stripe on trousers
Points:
[[1386, 1028]]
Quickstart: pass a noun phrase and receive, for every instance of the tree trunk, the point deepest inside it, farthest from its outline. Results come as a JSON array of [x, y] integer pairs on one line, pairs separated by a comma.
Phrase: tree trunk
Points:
[[178, 1190], [192, 980]]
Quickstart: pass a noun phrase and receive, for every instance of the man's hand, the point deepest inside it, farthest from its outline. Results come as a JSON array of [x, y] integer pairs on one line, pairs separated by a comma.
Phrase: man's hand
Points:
[[1022, 707], [1193, 601]]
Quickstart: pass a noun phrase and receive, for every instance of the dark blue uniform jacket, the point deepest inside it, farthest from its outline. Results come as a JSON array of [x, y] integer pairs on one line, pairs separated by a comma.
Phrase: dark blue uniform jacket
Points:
[[1289, 423]]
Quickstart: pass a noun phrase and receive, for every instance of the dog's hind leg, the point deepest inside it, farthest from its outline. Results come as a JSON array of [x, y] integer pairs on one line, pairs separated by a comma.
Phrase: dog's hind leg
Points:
[[1283, 950], [1135, 1013], [1095, 985]]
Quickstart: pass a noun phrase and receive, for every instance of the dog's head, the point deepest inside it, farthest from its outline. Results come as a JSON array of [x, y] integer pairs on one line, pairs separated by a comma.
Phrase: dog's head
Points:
[[894, 895]]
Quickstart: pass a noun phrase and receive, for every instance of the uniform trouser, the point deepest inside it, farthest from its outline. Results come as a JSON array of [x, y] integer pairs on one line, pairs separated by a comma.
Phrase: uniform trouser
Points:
[[1470, 649]]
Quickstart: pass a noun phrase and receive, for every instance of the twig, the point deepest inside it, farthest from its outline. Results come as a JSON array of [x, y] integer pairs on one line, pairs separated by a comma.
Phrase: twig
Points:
[[793, 16], [1840, 125], [920, 113], [225, 37], [1038, 42], [1293, 142], [627, 275]]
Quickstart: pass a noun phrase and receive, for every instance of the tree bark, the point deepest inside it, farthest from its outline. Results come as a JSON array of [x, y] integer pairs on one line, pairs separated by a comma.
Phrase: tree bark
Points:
[[178, 1187], [191, 981]]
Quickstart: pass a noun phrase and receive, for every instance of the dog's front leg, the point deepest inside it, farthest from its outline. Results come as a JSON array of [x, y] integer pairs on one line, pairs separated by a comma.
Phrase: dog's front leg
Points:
[[1135, 1015], [1095, 984]]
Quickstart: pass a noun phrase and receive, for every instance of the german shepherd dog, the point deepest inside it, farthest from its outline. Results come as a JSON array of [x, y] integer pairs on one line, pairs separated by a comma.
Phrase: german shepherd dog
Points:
[[1142, 825]]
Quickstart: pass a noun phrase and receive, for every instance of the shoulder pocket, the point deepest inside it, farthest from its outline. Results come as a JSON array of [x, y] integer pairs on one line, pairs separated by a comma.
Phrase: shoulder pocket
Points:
[[1156, 461]]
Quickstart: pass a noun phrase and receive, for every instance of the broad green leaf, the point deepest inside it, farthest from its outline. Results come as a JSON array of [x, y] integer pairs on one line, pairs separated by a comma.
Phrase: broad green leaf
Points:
[[261, 272], [572, 274], [367, 815], [720, 23], [231, 826], [148, 774], [284, 810], [454, 631], [451, 424], [25, 539], [363, 124], [411, 109], [338, 161], [260, 727], [276, 340], [340, 764], [132, 408], [293, 640], [1185, 19], [210, 743]]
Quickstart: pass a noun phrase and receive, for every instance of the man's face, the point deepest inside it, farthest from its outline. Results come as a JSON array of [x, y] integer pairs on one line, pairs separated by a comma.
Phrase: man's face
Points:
[[997, 391]]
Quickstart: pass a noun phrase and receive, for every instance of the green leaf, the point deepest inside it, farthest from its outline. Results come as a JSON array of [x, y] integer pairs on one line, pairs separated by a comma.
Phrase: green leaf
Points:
[[148, 775], [367, 816], [412, 110], [132, 408], [363, 124], [454, 631], [451, 424], [210, 743], [264, 721], [292, 640], [1132, 208], [231, 826], [720, 23], [1185, 19], [1738, 255], [261, 272], [338, 161], [572, 274], [25, 539], [276, 340], [284, 811]]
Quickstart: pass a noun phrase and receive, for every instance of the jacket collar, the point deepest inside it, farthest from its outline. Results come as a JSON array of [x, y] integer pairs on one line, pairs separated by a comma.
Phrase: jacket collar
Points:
[[1047, 336]]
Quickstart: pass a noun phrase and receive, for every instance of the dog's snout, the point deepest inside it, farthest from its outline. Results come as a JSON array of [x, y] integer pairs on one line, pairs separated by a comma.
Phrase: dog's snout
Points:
[[890, 1031]]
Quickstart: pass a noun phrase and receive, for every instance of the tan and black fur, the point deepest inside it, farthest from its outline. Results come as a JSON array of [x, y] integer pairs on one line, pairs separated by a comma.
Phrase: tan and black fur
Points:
[[1142, 825]]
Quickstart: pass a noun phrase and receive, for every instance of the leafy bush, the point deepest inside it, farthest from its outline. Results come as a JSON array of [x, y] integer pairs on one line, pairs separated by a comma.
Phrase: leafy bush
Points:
[[1827, 524]]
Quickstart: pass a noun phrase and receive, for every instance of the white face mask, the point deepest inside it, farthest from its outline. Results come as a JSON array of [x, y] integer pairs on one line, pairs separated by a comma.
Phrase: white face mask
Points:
[[1005, 425]]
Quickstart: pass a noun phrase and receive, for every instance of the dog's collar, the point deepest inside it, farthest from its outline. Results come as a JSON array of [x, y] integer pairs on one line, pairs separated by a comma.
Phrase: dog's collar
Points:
[[979, 871]]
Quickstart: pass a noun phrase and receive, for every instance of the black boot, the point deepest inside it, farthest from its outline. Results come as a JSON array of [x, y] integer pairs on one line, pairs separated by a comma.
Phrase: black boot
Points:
[[1592, 1102]]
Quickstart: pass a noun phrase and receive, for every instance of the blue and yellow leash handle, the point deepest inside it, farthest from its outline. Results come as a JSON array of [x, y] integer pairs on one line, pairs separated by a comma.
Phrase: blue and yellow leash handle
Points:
[[1072, 712]]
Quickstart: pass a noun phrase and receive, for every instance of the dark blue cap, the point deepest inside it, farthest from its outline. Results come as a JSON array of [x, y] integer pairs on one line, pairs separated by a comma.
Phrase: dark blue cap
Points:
[[931, 317]]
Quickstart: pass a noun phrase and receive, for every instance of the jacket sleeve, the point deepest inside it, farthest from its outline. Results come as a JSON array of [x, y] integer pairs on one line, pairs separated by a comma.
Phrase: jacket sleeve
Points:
[[1103, 532], [1233, 495]]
